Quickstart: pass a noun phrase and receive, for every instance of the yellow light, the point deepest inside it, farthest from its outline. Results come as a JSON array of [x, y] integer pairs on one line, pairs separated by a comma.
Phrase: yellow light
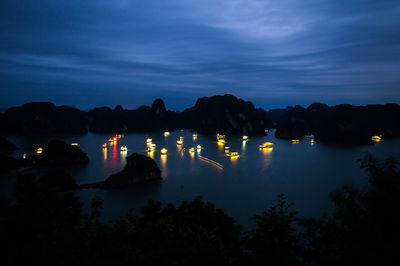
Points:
[[105, 153], [75, 144], [220, 136], [150, 154], [191, 150], [104, 146], [179, 142], [267, 150], [221, 142], [39, 150], [164, 151], [267, 145], [234, 155], [245, 138], [24, 156], [149, 141], [194, 136], [376, 138], [295, 141], [166, 133]]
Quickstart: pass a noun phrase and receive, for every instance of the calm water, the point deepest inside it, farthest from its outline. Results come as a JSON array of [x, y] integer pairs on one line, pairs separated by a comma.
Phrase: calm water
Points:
[[248, 185]]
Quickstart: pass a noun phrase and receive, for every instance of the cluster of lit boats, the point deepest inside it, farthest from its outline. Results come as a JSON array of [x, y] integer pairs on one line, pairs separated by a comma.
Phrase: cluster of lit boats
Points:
[[228, 153], [221, 141], [113, 141]]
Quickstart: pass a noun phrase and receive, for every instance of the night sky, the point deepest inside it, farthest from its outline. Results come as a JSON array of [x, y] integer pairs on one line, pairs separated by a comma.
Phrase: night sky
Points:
[[274, 53]]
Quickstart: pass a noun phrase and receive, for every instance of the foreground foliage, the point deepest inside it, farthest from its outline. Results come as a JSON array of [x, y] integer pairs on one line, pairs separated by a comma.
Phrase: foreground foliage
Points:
[[42, 224]]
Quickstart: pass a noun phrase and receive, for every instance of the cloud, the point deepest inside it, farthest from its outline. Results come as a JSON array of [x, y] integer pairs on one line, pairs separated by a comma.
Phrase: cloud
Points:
[[272, 52]]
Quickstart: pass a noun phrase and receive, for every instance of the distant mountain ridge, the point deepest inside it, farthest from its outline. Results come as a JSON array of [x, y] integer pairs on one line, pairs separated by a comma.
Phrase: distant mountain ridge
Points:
[[345, 124], [225, 114]]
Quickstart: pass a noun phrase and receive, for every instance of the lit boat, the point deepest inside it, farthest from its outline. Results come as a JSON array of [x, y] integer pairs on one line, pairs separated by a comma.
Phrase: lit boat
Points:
[[181, 138], [75, 144], [245, 138], [149, 141], [24, 156], [295, 141], [312, 141], [110, 140], [191, 150], [123, 148], [376, 138], [221, 141], [220, 136], [166, 133], [179, 142], [234, 155], [119, 136], [105, 146], [267, 145], [227, 152], [39, 150], [198, 147], [164, 151], [194, 136]]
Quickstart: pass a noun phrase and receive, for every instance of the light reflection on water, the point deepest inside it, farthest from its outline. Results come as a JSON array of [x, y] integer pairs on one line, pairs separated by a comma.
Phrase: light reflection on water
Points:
[[267, 153], [105, 154], [163, 165], [241, 187]]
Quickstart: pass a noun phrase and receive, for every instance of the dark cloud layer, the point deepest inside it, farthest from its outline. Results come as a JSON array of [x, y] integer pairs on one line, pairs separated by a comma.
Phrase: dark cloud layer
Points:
[[275, 53]]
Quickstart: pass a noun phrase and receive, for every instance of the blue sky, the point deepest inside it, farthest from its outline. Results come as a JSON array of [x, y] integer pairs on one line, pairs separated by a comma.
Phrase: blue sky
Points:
[[273, 53]]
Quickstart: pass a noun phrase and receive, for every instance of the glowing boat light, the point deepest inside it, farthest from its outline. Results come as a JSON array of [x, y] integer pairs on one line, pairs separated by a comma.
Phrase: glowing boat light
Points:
[[123, 149], [166, 133], [376, 138], [234, 155], [39, 150], [164, 151], [221, 142], [267, 145]]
